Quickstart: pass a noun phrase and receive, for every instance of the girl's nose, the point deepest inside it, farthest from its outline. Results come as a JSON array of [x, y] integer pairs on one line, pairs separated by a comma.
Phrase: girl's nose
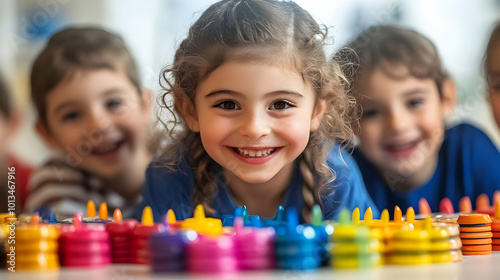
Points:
[[255, 125]]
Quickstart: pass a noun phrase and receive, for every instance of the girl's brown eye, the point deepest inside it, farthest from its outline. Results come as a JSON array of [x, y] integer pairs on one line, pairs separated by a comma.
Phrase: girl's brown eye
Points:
[[227, 105], [281, 105]]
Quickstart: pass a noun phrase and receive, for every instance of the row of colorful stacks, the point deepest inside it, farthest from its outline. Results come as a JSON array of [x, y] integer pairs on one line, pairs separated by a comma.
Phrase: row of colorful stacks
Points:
[[242, 242]]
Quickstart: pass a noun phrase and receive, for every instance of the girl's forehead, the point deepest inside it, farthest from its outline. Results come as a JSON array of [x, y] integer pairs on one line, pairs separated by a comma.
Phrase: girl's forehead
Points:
[[275, 56], [286, 67]]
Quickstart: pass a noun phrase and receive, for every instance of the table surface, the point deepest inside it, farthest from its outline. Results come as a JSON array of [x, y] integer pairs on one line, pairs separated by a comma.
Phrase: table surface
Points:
[[472, 267]]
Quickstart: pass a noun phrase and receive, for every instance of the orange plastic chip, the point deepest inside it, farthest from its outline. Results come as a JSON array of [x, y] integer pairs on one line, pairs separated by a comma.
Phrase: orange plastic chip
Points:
[[473, 219], [476, 241], [474, 253], [476, 248], [475, 229], [485, 234]]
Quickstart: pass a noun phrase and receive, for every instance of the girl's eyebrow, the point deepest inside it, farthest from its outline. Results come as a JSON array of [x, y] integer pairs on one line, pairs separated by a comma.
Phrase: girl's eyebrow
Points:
[[269, 94]]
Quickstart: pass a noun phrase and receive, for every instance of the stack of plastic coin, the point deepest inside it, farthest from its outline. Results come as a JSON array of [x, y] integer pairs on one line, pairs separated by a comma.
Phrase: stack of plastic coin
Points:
[[296, 247], [495, 228], [454, 238], [450, 223], [475, 233], [352, 245], [440, 244], [168, 249], [36, 246], [140, 237], [214, 254], [120, 236], [85, 245], [254, 246], [409, 247]]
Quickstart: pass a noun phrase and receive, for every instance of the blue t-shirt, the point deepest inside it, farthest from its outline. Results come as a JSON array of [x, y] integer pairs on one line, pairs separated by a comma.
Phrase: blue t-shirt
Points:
[[166, 190], [468, 165]]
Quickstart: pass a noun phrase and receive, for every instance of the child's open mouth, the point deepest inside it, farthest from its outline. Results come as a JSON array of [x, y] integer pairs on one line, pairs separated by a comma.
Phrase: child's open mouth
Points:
[[402, 149], [107, 148], [254, 153]]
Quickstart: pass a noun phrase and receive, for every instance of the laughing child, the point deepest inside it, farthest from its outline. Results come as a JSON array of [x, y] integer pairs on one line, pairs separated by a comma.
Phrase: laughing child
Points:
[[94, 113], [405, 150]]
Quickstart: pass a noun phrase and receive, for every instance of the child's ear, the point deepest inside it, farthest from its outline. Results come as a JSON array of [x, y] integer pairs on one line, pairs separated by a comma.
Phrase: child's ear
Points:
[[187, 110], [449, 98], [317, 116], [45, 134]]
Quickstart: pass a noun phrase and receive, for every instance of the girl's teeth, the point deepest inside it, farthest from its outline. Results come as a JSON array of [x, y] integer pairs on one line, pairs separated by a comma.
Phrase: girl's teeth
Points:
[[261, 153]]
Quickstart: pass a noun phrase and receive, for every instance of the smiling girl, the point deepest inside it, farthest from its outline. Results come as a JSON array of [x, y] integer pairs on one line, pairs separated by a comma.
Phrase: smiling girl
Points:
[[256, 109]]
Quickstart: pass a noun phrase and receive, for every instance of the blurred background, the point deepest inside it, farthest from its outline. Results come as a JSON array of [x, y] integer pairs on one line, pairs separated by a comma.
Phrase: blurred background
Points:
[[153, 29]]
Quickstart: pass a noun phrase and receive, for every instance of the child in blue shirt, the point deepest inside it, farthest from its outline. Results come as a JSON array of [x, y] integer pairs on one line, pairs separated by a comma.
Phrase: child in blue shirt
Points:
[[405, 152], [255, 104]]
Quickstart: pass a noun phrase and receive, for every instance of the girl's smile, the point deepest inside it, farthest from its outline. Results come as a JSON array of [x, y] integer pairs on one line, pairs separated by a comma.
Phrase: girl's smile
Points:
[[255, 155]]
